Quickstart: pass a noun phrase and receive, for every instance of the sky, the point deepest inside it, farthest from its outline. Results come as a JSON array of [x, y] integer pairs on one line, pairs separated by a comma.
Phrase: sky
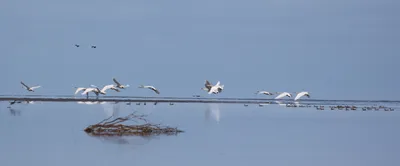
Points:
[[342, 49]]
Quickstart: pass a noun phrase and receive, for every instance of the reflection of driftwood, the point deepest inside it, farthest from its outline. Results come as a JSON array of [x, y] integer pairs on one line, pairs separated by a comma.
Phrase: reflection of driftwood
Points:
[[114, 127]]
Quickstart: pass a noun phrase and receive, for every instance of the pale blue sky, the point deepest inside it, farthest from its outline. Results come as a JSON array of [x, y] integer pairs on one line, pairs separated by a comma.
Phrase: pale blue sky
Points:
[[342, 49]]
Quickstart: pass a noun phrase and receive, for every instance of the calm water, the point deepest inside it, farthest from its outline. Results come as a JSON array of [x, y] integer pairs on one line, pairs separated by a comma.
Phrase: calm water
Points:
[[215, 134]]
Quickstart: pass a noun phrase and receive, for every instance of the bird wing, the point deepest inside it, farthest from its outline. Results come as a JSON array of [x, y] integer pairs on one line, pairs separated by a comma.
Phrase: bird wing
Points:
[[262, 92], [301, 94], [212, 89], [79, 89], [281, 95], [267, 93], [107, 87], [26, 86], [116, 89], [155, 90], [208, 85], [118, 84], [259, 92], [35, 87], [87, 90]]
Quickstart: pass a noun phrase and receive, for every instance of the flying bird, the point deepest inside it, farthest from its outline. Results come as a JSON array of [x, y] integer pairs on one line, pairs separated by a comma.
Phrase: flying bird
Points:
[[301, 94], [79, 89], [93, 46], [29, 88], [76, 45], [105, 88], [94, 90], [111, 86], [283, 95], [217, 88], [120, 85], [150, 87], [264, 92]]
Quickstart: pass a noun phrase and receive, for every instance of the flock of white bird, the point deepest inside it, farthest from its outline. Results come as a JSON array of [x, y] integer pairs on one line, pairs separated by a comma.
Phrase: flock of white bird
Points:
[[211, 89]]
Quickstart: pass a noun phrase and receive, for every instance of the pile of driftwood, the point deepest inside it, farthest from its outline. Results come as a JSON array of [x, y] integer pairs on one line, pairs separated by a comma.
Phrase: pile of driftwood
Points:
[[114, 127]]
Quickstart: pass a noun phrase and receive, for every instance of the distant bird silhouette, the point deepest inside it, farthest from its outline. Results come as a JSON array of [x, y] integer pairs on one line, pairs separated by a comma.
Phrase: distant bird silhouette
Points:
[[93, 46], [76, 45]]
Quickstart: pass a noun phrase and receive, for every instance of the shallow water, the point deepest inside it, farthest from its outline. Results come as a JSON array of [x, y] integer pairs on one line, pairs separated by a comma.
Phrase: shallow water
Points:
[[215, 134]]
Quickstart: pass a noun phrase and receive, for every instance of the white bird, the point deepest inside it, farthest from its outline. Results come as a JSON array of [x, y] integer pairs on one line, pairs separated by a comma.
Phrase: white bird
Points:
[[283, 95], [94, 90], [79, 89], [217, 88], [264, 92], [150, 87], [301, 94], [30, 88], [103, 91], [120, 85]]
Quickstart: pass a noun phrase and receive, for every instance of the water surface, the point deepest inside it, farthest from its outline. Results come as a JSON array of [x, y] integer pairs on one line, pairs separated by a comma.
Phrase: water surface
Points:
[[215, 134]]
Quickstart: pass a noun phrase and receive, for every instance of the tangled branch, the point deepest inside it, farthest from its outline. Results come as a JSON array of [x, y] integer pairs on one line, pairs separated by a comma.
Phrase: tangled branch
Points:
[[114, 127]]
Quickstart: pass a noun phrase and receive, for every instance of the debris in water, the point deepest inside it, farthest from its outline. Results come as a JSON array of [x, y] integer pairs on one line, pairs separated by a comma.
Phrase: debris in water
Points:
[[114, 127]]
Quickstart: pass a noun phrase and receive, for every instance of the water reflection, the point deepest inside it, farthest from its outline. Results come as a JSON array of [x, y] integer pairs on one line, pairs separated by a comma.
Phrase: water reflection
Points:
[[125, 140], [91, 102], [56, 136], [212, 112], [111, 109], [15, 112], [15, 107]]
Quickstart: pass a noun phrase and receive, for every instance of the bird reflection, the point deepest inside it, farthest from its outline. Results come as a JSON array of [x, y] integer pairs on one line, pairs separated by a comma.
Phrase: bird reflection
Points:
[[280, 103], [91, 102], [213, 112], [15, 112], [111, 109]]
